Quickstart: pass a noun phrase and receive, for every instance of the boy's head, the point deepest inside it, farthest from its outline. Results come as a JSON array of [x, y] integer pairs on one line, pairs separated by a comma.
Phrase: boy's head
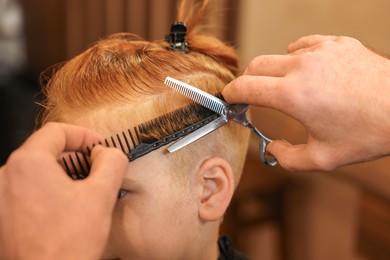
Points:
[[171, 205]]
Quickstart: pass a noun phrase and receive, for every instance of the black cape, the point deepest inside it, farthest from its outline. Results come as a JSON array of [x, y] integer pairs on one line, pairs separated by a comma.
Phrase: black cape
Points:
[[227, 251]]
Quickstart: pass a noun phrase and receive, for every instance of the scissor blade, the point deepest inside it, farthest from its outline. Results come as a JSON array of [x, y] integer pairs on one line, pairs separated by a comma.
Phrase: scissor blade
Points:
[[199, 96], [204, 130]]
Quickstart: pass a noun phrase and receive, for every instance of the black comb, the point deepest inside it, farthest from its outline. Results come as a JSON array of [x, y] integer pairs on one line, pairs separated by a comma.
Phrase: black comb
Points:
[[141, 139]]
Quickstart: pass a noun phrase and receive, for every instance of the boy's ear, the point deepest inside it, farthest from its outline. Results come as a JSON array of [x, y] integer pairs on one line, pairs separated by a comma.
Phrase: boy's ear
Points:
[[217, 188]]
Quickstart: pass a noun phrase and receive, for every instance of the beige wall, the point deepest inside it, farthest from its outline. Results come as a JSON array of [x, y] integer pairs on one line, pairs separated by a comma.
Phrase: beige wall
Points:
[[267, 26]]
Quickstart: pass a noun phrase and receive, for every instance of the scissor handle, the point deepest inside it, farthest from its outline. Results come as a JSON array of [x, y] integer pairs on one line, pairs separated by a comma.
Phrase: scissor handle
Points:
[[264, 141], [237, 114], [263, 153]]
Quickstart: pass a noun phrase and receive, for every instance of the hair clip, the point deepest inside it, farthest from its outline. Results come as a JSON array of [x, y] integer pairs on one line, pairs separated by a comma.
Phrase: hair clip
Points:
[[177, 37]]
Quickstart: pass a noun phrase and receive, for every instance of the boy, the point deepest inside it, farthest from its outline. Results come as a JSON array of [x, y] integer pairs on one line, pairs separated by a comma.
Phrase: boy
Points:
[[170, 205]]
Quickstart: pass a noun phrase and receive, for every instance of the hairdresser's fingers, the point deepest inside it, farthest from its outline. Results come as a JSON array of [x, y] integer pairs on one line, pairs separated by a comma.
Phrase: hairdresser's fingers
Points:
[[270, 65], [256, 90], [108, 169], [54, 138], [299, 157], [309, 41]]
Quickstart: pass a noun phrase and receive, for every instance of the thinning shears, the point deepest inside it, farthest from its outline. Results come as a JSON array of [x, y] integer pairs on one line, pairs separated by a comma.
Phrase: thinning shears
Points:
[[227, 112]]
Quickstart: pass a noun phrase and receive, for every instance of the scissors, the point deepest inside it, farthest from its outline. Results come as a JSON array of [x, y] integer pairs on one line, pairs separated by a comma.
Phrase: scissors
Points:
[[227, 112]]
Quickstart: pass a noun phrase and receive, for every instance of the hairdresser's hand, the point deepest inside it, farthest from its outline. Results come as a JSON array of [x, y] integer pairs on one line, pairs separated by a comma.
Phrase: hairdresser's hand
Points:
[[46, 215], [337, 88]]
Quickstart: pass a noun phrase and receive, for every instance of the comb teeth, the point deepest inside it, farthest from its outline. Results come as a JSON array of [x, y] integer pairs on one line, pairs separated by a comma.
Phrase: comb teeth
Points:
[[197, 95], [77, 164]]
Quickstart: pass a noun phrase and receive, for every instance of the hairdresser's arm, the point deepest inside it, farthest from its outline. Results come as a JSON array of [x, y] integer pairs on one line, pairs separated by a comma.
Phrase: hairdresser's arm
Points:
[[337, 88], [46, 215]]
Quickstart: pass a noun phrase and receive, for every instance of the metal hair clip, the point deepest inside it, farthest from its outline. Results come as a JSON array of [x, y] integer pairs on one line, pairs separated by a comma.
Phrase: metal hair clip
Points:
[[177, 37]]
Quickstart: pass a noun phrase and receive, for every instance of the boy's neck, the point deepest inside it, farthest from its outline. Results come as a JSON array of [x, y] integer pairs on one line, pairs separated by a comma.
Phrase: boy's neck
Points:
[[207, 246]]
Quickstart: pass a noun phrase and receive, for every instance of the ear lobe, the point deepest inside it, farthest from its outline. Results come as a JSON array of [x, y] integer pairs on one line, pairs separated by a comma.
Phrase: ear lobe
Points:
[[218, 188]]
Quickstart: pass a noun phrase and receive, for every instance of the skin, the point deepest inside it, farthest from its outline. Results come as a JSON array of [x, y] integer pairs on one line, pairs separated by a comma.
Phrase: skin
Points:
[[42, 209], [336, 87]]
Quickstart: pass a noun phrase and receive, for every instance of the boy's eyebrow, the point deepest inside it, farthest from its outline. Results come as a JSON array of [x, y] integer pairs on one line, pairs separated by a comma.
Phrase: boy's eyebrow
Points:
[[144, 138]]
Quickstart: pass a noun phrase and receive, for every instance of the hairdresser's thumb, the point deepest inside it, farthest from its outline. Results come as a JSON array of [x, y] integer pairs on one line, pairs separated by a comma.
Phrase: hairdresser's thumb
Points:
[[290, 157], [108, 168]]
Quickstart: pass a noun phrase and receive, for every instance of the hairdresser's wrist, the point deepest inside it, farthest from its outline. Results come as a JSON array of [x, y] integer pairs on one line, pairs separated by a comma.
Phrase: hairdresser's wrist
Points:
[[381, 113]]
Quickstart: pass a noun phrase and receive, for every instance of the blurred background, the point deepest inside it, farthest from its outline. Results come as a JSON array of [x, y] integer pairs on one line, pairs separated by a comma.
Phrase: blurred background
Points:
[[275, 215]]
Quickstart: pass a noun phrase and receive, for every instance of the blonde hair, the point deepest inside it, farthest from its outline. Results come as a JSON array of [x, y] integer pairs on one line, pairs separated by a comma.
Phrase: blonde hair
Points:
[[124, 69]]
